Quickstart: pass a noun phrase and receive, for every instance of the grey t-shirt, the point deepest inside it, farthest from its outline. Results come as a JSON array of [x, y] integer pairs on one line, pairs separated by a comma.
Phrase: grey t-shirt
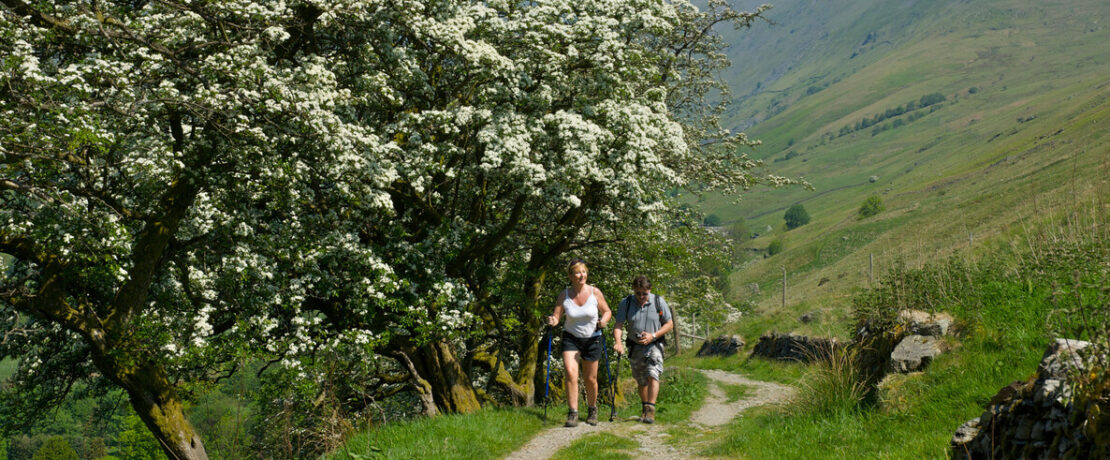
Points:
[[647, 318]]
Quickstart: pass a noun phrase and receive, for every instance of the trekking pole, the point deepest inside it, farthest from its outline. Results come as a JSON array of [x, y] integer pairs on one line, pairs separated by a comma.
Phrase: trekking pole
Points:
[[547, 375], [613, 413], [612, 395]]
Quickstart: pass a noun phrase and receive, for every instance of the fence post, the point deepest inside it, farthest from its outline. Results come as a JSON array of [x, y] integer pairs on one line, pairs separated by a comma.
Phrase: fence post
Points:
[[871, 269], [677, 335], [784, 287]]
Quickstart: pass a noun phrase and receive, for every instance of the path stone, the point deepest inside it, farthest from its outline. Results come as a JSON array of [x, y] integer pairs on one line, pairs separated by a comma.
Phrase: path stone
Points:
[[653, 445]]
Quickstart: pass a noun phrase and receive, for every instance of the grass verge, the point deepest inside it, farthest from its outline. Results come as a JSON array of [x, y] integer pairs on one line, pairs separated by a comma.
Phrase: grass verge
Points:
[[487, 434]]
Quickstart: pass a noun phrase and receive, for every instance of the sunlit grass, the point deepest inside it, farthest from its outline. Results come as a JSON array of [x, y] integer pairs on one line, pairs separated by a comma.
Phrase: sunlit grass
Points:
[[600, 446], [487, 434]]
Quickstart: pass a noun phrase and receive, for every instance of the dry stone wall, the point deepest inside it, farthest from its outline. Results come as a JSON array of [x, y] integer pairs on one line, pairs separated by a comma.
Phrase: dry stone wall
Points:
[[1037, 419], [793, 347]]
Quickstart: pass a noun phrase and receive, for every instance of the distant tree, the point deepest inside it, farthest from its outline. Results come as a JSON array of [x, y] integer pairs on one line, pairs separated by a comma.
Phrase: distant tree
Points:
[[137, 443], [930, 99], [712, 220], [56, 448], [871, 206], [775, 247], [796, 217], [739, 230]]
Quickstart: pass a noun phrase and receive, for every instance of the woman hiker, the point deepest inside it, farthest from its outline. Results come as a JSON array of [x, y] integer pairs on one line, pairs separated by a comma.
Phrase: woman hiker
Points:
[[587, 314], [649, 319]]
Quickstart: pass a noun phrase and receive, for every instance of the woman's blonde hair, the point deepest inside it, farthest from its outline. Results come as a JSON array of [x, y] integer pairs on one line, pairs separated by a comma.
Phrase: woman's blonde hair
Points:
[[575, 262]]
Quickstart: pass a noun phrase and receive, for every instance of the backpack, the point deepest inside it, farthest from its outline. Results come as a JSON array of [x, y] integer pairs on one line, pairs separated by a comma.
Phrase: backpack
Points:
[[658, 309]]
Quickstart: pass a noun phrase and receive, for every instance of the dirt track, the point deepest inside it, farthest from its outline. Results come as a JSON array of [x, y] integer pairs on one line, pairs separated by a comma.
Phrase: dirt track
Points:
[[714, 411]]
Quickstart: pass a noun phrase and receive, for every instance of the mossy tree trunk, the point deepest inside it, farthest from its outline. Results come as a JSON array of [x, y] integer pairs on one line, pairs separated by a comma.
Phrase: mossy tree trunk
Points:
[[451, 387], [156, 402], [110, 330]]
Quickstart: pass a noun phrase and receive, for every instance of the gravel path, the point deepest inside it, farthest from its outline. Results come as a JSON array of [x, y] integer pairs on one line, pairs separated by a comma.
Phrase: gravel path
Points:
[[714, 412]]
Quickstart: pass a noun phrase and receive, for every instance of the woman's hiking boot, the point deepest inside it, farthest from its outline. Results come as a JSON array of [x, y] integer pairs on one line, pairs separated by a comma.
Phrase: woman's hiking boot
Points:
[[649, 413], [572, 419], [591, 415]]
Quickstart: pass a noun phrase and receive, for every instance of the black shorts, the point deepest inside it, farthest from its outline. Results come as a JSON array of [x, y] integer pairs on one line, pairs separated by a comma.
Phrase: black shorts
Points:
[[588, 348]]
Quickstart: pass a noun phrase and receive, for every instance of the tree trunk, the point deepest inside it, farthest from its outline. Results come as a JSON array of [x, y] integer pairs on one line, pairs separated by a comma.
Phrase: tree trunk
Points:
[[531, 366], [452, 389], [156, 401], [423, 388], [525, 376]]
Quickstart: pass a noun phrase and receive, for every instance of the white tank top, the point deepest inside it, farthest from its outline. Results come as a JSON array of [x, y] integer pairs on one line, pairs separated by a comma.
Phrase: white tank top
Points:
[[581, 319]]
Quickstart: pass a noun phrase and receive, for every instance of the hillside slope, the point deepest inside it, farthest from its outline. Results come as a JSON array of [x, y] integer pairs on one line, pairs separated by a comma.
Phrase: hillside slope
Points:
[[1013, 122]]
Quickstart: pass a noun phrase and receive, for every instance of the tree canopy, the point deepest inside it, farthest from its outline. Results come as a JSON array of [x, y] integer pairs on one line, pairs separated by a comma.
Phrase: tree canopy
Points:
[[796, 217], [872, 206], [187, 185]]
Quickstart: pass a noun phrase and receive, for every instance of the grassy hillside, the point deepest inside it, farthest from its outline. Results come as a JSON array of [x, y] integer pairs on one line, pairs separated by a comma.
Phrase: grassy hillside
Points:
[[1021, 130]]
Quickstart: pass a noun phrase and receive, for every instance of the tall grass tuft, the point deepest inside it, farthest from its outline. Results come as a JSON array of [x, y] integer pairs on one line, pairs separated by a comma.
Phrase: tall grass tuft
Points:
[[834, 383]]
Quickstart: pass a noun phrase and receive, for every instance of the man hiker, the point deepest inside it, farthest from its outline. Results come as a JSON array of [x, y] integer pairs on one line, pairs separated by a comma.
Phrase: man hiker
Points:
[[648, 319]]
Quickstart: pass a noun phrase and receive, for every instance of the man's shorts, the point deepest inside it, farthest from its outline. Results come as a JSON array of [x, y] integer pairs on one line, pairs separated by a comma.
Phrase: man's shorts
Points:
[[647, 363], [589, 348]]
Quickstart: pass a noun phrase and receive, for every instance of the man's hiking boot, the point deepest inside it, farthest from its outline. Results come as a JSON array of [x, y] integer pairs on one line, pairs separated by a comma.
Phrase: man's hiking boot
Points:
[[591, 416], [572, 419], [649, 413]]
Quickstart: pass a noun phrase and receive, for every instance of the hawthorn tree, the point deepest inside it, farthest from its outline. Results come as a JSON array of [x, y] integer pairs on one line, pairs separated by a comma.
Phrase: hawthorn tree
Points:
[[156, 160], [188, 185]]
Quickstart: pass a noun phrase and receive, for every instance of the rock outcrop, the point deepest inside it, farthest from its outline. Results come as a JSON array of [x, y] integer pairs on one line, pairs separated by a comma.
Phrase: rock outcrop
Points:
[[918, 322]]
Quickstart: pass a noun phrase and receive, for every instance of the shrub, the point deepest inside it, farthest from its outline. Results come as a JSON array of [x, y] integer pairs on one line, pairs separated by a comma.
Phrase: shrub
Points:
[[796, 217], [56, 448], [712, 220], [871, 206], [930, 99], [775, 247]]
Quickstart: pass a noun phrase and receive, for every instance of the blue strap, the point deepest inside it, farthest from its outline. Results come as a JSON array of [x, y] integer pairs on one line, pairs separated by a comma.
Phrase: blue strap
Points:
[[608, 376]]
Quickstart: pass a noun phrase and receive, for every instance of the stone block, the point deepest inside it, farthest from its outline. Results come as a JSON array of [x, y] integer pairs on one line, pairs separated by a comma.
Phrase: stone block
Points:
[[914, 353], [1061, 357], [921, 323]]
